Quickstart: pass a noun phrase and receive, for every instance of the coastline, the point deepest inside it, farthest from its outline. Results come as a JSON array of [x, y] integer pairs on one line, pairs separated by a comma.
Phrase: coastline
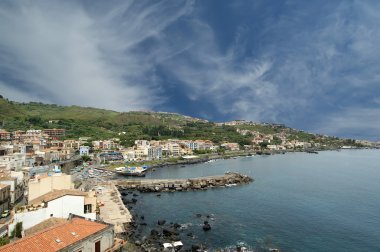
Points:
[[148, 242]]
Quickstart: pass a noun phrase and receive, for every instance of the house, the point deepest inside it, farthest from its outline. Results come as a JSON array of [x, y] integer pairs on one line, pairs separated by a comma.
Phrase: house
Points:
[[84, 150], [57, 204], [76, 234], [55, 133], [5, 197], [5, 135], [154, 153], [44, 183], [231, 146], [16, 182], [14, 161]]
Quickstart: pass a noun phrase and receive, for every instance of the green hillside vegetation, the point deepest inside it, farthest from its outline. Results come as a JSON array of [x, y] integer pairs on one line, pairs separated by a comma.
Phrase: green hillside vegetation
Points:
[[129, 126], [103, 124]]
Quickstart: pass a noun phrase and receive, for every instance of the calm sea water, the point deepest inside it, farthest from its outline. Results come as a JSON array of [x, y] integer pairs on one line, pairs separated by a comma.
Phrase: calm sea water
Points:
[[298, 202]]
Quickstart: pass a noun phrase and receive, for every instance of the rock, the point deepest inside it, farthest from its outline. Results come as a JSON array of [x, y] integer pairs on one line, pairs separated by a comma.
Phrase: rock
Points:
[[198, 215], [169, 232], [190, 234], [176, 225], [143, 224], [134, 200], [161, 222], [154, 232], [158, 195], [135, 195], [137, 243], [195, 247], [206, 227], [142, 217]]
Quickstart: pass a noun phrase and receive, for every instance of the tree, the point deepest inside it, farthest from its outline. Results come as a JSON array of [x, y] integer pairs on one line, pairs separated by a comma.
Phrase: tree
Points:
[[86, 158], [4, 241], [264, 144], [18, 230]]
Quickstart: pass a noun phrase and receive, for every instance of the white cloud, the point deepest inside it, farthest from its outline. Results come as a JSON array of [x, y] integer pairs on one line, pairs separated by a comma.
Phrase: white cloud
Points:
[[64, 53], [361, 122]]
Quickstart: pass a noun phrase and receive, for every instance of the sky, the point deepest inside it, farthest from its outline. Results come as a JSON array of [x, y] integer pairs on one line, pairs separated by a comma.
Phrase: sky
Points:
[[312, 65]]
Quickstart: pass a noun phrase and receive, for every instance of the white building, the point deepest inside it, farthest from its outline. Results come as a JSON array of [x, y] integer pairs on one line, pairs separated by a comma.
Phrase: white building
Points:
[[154, 153], [59, 204], [84, 150], [13, 161]]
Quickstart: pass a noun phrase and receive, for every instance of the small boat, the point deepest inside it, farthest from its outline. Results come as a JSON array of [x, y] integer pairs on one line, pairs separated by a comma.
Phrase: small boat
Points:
[[133, 171], [230, 185], [174, 246]]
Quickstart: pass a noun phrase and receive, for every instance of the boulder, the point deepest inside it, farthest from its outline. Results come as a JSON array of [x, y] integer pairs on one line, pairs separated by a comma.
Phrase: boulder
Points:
[[195, 247], [169, 232], [154, 232], [161, 222], [206, 226]]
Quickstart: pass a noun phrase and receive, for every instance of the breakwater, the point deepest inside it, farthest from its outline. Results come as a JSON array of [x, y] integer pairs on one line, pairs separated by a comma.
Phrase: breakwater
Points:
[[170, 185]]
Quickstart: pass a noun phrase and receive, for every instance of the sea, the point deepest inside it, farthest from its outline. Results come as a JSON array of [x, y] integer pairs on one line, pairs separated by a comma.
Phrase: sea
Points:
[[298, 202]]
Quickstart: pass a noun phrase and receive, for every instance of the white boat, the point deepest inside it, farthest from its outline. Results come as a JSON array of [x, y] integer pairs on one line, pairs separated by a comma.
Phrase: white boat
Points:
[[230, 185]]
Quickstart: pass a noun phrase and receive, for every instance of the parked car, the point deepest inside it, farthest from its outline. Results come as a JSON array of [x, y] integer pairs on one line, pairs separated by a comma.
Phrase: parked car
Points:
[[6, 213]]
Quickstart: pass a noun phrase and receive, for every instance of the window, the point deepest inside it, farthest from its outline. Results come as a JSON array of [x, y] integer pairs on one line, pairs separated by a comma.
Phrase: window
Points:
[[88, 208]]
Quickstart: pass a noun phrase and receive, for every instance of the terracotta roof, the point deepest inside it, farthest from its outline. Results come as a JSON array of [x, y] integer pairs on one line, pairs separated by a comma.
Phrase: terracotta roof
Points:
[[55, 194], [44, 225], [57, 237]]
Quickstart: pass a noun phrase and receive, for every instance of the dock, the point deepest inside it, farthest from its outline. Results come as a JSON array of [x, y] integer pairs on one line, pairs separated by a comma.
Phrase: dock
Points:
[[169, 185], [113, 210]]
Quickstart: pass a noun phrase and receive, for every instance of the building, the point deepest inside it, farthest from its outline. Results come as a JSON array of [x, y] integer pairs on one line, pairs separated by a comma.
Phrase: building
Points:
[[15, 180], [14, 161], [111, 156], [5, 197], [5, 135], [44, 183], [72, 144], [142, 143], [231, 146], [76, 234], [154, 153], [84, 150], [55, 133], [57, 204]]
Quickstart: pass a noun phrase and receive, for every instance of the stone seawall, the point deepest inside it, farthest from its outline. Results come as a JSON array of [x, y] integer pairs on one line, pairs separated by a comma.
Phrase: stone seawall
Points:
[[169, 185]]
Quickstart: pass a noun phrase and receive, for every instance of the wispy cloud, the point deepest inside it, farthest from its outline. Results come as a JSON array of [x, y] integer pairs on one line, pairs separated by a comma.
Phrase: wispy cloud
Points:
[[307, 68], [302, 63], [68, 53]]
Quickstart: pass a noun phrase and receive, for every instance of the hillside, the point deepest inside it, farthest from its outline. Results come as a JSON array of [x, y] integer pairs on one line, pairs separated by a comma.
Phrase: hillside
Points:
[[129, 126]]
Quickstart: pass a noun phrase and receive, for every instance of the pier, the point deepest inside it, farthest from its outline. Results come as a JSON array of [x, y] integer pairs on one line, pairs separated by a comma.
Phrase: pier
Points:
[[169, 185], [112, 209]]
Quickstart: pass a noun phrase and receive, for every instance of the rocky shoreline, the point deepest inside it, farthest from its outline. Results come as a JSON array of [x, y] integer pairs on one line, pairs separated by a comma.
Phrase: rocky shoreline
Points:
[[151, 238], [163, 232], [174, 185]]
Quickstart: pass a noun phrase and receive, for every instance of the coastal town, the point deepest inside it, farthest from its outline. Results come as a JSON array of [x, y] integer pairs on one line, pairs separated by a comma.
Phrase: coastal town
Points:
[[50, 183]]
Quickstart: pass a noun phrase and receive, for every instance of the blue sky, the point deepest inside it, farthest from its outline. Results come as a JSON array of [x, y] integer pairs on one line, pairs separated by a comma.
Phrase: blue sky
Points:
[[313, 65]]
